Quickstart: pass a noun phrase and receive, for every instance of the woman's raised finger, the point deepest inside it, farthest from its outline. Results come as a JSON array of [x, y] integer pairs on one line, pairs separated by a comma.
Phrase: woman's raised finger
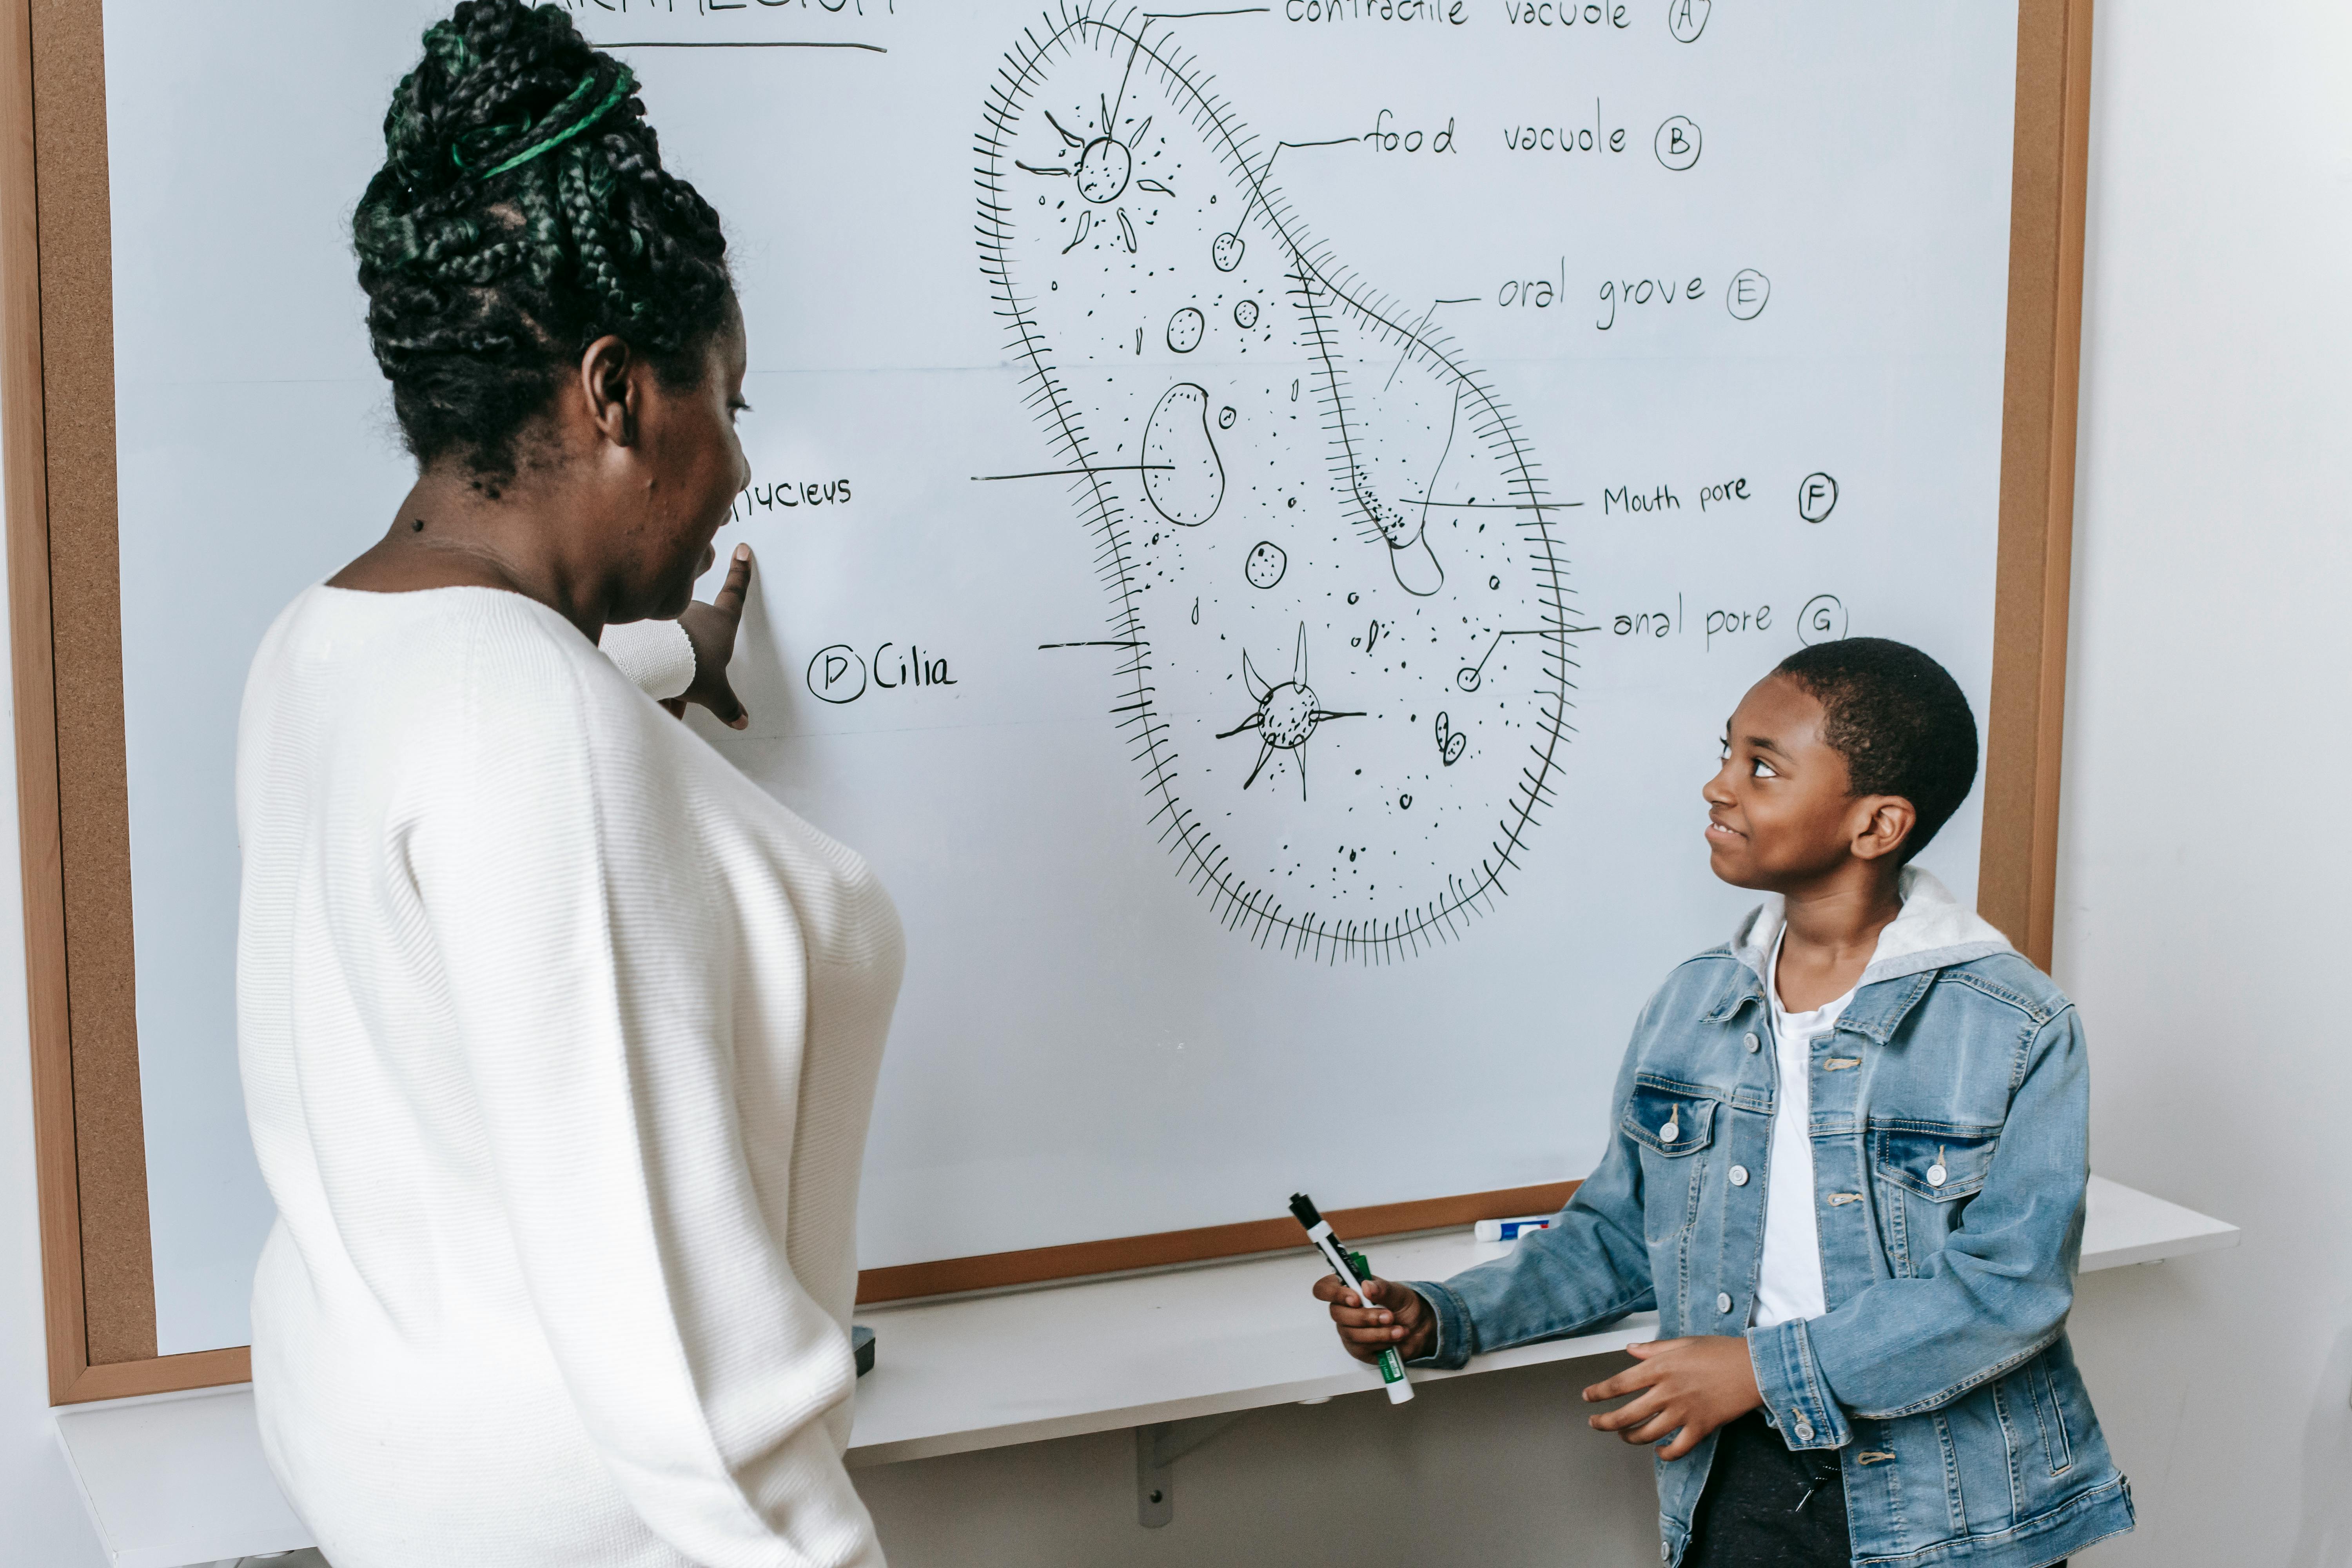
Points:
[[729, 602]]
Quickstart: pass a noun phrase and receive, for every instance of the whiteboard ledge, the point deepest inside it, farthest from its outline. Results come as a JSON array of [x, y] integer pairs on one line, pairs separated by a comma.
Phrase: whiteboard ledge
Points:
[[175, 1480]]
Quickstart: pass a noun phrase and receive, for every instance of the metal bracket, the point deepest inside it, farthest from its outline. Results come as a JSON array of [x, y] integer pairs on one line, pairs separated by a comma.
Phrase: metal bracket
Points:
[[1157, 1449]]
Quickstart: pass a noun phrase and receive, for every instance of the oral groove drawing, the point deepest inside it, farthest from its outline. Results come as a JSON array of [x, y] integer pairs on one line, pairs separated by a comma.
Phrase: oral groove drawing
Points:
[[1271, 456]]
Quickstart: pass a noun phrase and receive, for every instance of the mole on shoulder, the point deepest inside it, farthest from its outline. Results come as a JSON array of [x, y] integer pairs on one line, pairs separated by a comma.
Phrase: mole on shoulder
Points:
[[417, 524]]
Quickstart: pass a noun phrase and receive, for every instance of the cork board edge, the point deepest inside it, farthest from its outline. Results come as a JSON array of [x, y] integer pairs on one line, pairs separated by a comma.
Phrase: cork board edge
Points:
[[22, 458], [2018, 866], [77, 258]]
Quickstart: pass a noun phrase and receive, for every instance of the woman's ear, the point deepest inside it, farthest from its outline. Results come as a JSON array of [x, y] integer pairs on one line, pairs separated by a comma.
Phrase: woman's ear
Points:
[[1886, 826], [608, 382]]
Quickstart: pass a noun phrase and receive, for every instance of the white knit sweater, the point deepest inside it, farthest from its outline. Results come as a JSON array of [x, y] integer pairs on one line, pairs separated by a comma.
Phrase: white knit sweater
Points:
[[559, 1040]]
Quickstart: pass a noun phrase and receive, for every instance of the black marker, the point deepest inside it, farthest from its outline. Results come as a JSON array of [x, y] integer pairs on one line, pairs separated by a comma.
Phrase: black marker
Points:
[[1348, 1266]]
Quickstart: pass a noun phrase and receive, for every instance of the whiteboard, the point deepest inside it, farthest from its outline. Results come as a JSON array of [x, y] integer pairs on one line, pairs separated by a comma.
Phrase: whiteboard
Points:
[[1428, 417]]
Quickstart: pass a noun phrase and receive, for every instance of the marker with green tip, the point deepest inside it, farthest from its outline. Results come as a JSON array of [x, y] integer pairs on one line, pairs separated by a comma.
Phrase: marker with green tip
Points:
[[1352, 1271]]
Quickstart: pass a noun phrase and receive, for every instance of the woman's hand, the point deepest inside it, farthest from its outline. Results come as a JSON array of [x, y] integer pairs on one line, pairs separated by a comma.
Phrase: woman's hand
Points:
[[711, 629], [1688, 1387], [1397, 1318]]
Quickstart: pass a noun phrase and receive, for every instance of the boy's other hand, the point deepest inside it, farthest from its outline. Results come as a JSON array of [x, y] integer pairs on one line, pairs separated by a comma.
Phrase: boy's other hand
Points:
[[1395, 1318], [1688, 1388]]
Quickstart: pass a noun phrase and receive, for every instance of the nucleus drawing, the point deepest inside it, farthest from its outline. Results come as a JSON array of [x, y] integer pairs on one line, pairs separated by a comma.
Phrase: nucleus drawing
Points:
[[1274, 460]]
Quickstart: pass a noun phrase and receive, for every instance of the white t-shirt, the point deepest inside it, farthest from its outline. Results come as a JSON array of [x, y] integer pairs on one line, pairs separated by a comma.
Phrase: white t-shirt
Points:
[[1789, 1286]]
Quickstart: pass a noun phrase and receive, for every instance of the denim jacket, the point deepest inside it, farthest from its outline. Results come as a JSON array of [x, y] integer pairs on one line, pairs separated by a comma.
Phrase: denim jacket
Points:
[[1949, 1133]]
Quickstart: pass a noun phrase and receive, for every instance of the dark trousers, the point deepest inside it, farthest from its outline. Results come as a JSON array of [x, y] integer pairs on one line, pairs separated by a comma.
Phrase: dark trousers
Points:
[[1766, 1507]]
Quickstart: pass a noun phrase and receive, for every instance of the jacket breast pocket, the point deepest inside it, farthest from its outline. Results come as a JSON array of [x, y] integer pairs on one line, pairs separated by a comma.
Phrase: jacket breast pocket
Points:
[[1669, 1125], [1927, 1176]]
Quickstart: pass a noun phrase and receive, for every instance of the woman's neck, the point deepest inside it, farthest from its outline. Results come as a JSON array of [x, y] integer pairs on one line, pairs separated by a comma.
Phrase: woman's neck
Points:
[[457, 531]]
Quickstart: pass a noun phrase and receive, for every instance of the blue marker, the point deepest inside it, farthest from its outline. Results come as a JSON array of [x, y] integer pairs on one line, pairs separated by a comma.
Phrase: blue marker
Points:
[[1345, 1264], [1512, 1229]]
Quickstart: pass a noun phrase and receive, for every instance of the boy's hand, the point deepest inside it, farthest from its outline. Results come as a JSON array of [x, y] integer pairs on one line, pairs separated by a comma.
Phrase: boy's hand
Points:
[[1397, 1318], [1693, 1384]]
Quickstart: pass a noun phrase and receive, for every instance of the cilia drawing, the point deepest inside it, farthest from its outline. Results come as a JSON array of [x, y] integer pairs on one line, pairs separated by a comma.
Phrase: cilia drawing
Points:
[[1278, 466]]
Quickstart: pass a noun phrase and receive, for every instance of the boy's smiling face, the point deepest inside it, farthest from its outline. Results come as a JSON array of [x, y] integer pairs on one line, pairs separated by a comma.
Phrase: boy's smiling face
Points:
[[1780, 813]]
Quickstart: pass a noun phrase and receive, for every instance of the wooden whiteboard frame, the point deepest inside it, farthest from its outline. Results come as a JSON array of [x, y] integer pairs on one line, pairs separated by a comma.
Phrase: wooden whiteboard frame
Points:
[[56, 444]]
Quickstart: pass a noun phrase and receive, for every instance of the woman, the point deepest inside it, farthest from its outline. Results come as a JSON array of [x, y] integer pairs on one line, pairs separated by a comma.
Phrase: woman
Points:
[[558, 1035]]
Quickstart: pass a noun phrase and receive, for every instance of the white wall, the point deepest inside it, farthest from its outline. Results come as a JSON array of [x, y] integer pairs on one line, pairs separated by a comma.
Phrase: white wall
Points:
[[2203, 871], [2202, 865]]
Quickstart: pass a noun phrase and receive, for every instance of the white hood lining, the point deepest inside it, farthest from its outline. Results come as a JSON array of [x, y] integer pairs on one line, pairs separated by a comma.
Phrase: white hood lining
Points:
[[1933, 930]]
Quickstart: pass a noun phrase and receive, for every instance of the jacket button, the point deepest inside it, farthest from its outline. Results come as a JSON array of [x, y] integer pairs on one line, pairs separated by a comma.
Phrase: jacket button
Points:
[[1935, 1175], [1738, 1175], [1670, 1131], [1804, 1430], [1722, 1301], [1752, 1043]]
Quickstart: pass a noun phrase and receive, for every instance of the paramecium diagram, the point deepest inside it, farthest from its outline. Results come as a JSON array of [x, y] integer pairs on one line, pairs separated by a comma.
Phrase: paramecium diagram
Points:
[[1280, 469]]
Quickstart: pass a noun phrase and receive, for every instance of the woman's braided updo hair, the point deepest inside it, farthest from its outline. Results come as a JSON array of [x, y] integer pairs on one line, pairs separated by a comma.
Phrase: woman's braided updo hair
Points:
[[522, 213]]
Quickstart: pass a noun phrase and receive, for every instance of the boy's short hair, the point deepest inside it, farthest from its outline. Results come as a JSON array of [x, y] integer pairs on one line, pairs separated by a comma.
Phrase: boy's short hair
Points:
[[1899, 721]]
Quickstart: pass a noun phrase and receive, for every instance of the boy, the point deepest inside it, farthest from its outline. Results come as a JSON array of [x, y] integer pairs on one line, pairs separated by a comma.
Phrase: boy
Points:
[[1847, 1171]]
